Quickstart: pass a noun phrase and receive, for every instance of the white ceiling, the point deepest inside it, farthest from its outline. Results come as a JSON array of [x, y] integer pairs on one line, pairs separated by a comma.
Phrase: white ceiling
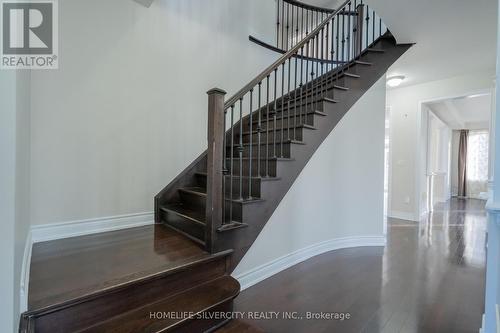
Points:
[[453, 37], [471, 112]]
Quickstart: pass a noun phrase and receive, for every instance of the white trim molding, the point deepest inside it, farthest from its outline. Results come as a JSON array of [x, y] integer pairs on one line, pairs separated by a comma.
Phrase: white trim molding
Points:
[[262, 272], [498, 318], [46, 232], [25, 273], [403, 216]]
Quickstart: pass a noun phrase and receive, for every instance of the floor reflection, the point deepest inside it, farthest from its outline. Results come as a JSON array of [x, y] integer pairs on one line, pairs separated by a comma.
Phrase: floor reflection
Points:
[[429, 278]]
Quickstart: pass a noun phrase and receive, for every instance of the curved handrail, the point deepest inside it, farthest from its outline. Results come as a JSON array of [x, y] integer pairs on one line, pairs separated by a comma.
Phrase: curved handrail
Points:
[[264, 74], [309, 7]]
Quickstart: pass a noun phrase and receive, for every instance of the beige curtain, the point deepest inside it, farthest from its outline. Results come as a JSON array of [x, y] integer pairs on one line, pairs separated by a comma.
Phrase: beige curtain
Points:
[[462, 163]]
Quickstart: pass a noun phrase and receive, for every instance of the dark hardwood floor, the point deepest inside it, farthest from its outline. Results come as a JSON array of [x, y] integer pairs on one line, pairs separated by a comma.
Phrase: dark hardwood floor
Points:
[[429, 278]]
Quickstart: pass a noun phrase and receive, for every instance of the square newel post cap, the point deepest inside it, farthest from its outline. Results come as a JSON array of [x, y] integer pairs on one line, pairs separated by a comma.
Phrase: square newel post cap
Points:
[[216, 91]]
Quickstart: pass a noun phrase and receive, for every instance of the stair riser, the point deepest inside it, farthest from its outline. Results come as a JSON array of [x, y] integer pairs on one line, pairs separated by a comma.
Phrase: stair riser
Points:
[[308, 119], [311, 106], [184, 224], [197, 202], [84, 314], [256, 185], [267, 137], [271, 168], [272, 150]]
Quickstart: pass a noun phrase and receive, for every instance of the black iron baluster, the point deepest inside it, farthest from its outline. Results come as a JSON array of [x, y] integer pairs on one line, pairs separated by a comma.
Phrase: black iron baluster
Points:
[[259, 129], [288, 99], [307, 22], [275, 111], [337, 54], [231, 165], [293, 25], [367, 26], [332, 47], [301, 81], [250, 150], [267, 127], [312, 73], [295, 98], [278, 23], [343, 39], [349, 34], [379, 27], [302, 24], [282, 106], [240, 149], [297, 39], [282, 27], [373, 26], [317, 87], [322, 80], [224, 167], [287, 25]]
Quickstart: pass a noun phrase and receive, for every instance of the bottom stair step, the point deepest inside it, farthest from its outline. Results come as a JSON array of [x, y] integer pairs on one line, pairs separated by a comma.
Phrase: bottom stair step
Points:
[[189, 311]]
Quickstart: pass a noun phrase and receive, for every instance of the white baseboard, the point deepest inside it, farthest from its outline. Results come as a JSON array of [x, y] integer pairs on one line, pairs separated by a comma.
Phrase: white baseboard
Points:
[[403, 216], [262, 272], [46, 232], [498, 318], [25, 273]]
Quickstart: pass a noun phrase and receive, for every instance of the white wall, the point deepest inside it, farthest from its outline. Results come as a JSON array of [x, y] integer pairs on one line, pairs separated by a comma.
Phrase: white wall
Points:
[[14, 190], [336, 195], [7, 196], [126, 111], [408, 195], [23, 186]]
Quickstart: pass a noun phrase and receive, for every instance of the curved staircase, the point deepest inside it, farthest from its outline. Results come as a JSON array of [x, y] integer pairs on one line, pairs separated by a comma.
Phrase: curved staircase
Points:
[[261, 138]]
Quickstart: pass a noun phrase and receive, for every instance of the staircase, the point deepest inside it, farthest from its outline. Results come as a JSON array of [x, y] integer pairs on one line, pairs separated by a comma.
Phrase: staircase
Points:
[[261, 138], [207, 218]]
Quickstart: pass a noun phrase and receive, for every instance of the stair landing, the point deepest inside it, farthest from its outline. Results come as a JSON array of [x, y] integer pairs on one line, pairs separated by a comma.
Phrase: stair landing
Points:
[[113, 281], [66, 269]]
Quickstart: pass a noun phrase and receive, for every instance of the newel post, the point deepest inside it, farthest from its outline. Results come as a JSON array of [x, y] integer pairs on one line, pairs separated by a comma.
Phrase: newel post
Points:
[[358, 37], [215, 162]]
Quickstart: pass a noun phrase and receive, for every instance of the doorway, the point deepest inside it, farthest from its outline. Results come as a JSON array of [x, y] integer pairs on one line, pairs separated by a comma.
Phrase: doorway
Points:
[[456, 149]]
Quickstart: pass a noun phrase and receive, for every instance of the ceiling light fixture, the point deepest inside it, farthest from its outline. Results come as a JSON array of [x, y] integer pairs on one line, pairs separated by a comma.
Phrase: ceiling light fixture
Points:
[[395, 81]]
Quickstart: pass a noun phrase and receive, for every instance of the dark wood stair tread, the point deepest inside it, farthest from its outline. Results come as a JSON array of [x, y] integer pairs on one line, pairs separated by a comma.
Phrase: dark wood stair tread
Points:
[[278, 142], [187, 305], [279, 115], [355, 76], [311, 127], [63, 271], [195, 215], [202, 192], [340, 87], [262, 179], [375, 50]]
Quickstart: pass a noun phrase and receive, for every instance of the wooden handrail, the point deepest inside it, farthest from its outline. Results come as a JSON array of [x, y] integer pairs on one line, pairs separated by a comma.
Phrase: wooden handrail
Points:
[[309, 7]]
